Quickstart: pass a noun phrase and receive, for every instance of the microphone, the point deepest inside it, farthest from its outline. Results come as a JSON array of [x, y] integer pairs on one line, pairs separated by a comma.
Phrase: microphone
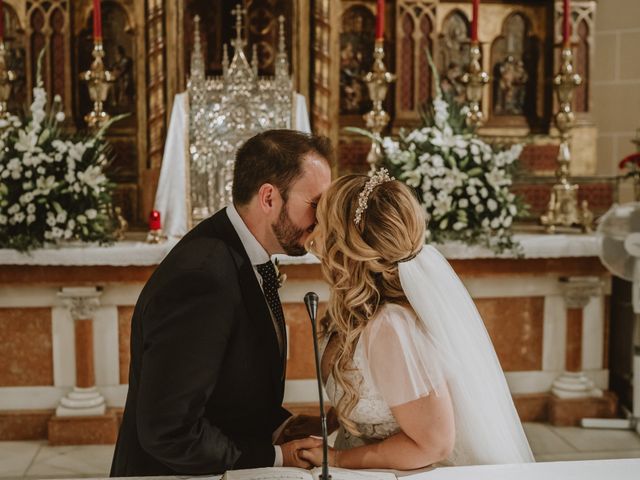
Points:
[[311, 301]]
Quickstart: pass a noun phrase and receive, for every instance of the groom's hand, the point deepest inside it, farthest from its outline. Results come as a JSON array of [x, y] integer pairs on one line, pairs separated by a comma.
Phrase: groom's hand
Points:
[[291, 452], [304, 425]]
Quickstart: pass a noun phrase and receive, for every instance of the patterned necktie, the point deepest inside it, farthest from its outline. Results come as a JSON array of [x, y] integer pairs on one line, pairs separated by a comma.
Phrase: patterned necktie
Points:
[[270, 287]]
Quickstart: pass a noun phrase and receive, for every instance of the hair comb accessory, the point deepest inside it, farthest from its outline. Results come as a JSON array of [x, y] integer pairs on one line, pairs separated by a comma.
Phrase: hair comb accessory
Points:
[[377, 178]]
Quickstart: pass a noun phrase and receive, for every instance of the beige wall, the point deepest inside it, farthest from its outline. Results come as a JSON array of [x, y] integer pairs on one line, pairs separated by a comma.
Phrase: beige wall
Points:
[[616, 81]]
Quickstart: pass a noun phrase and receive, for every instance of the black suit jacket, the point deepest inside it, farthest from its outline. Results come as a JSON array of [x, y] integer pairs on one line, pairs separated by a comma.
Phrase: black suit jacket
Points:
[[205, 380]]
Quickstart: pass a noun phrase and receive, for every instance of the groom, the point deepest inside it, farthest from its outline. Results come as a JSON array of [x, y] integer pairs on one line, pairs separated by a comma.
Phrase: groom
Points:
[[208, 338]]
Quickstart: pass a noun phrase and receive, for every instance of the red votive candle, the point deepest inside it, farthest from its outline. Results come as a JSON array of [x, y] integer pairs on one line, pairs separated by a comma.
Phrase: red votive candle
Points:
[[380, 19], [1, 21], [566, 23], [474, 21], [97, 22], [154, 220]]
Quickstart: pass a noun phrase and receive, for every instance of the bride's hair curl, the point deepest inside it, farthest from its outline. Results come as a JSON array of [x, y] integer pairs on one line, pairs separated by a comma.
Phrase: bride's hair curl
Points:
[[360, 263]]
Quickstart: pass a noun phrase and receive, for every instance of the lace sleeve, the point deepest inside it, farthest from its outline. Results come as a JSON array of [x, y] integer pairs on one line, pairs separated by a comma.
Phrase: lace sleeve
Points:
[[401, 357]]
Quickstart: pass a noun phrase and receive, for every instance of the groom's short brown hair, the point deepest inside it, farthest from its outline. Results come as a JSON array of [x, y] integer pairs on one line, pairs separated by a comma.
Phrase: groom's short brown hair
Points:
[[275, 157]]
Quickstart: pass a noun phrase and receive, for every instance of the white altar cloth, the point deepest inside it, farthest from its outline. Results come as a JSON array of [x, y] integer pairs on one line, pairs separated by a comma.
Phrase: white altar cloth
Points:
[[533, 246], [622, 469], [143, 254], [619, 469], [120, 254], [172, 186]]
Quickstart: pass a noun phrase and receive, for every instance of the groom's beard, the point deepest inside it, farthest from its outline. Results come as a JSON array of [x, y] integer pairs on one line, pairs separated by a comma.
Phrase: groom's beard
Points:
[[288, 234]]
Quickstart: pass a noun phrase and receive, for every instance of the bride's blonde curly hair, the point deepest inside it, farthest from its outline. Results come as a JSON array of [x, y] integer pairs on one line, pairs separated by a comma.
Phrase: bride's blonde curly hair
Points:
[[360, 263]]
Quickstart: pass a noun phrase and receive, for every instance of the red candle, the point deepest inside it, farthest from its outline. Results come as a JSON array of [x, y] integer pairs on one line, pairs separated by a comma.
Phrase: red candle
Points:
[[154, 220], [97, 22], [380, 20], [1, 21], [474, 21], [566, 22]]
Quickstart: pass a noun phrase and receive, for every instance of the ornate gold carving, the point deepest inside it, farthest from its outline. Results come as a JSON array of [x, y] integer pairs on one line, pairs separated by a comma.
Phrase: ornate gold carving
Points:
[[7, 77], [377, 81], [475, 81], [563, 207], [99, 80]]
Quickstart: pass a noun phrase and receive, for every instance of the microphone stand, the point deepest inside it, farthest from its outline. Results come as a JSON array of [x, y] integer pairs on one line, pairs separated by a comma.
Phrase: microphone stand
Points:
[[311, 301]]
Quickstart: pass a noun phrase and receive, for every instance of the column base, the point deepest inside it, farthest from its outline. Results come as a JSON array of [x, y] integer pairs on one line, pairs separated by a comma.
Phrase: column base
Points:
[[90, 430], [570, 411], [81, 402], [574, 385]]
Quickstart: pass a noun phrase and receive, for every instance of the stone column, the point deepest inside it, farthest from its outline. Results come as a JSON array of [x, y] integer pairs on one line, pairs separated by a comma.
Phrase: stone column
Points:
[[84, 399], [573, 383]]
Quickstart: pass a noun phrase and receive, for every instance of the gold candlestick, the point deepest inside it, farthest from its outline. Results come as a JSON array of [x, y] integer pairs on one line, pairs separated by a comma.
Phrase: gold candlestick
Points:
[[377, 81], [563, 207], [99, 81], [7, 77], [475, 80]]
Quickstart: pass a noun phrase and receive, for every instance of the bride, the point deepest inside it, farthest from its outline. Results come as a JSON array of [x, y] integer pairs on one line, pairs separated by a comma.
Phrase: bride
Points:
[[407, 362]]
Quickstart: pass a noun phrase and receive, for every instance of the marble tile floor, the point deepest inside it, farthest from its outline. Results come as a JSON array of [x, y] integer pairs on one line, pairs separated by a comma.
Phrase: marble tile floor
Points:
[[36, 459]]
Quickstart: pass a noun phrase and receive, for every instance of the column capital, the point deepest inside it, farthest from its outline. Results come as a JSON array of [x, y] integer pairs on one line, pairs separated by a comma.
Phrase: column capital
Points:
[[577, 291], [82, 302]]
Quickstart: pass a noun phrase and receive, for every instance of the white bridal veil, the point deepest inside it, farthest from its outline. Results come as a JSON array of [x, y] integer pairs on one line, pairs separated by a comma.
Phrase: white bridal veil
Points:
[[488, 429]]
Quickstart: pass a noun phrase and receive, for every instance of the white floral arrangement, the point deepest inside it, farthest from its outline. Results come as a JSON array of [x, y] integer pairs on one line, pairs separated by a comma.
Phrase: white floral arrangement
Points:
[[52, 184], [463, 183]]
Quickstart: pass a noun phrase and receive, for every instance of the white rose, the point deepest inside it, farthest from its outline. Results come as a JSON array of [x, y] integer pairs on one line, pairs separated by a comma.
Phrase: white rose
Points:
[[3, 219], [60, 117], [31, 208], [475, 200], [31, 219], [479, 208], [513, 210], [495, 223], [485, 222], [492, 204], [471, 190], [437, 161], [484, 192], [464, 203], [81, 219], [507, 222], [458, 226], [91, 213]]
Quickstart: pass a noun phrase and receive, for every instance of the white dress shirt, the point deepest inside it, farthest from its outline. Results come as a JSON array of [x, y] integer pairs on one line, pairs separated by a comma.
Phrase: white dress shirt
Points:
[[257, 255]]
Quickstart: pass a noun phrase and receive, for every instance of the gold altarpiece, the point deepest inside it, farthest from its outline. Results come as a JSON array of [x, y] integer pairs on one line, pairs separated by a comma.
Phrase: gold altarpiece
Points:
[[148, 45], [520, 49]]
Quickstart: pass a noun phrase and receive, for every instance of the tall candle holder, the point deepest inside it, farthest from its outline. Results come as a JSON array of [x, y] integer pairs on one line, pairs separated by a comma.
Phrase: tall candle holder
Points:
[[99, 80], [377, 80], [475, 80], [563, 207], [7, 77]]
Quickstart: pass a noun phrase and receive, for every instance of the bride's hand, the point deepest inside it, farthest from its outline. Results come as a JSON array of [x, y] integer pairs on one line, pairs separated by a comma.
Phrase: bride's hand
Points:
[[314, 456]]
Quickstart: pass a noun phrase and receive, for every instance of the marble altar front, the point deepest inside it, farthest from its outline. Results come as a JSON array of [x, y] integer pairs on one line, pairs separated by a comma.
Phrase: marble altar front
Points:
[[547, 314]]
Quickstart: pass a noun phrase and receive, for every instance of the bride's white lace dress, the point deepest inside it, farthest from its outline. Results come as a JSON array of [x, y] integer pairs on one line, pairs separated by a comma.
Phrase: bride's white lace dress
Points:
[[391, 365], [437, 341]]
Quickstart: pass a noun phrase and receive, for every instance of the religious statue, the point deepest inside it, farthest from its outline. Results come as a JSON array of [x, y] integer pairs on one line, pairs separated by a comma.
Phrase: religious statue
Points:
[[356, 47], [454, 56], [123, 88], [511, 87]]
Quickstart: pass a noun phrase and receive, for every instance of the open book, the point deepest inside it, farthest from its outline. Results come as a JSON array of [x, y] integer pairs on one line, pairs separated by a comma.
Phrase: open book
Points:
[[292, 473]]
